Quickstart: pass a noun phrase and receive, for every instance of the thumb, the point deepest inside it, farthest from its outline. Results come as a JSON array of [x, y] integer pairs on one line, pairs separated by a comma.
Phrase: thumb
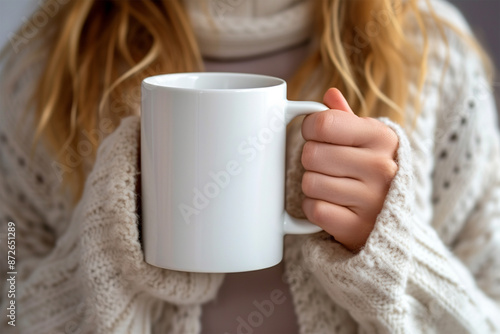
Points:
[[334, 99]]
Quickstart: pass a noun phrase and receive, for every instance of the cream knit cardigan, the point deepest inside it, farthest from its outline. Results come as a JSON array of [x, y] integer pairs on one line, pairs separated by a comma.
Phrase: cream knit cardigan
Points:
[[431, 264]]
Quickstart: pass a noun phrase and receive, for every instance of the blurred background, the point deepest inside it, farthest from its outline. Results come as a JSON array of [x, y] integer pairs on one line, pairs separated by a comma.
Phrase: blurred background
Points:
[[483, 16], [484, 19]]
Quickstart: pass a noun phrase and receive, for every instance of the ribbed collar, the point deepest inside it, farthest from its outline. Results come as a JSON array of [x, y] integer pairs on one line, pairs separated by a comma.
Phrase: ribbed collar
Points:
[[230, 29]]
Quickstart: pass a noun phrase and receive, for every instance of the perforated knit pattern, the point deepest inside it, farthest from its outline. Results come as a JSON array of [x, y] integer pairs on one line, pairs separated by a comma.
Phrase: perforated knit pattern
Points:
[[431, 264]]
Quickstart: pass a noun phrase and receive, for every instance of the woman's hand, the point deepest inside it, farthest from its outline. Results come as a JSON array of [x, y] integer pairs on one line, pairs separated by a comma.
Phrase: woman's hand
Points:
[[349, 162]]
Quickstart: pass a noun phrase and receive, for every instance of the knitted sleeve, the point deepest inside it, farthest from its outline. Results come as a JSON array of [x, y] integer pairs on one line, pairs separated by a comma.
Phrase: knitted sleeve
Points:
[[431, 263], [26, 191], [93, 279]]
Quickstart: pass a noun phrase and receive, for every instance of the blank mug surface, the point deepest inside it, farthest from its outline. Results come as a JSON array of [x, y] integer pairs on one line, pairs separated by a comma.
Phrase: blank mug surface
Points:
[[213, 171]]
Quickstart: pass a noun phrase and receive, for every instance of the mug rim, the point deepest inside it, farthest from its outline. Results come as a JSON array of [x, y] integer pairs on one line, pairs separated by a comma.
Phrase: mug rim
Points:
[[148, 82]]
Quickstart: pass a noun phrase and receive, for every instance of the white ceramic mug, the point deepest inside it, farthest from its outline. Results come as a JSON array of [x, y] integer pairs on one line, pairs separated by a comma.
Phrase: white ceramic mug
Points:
[[213, 171]]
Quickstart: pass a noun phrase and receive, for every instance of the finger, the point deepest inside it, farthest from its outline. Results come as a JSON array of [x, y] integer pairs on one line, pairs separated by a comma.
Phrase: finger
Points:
[[344, 161], [342, 128], [342, 191], [334, 99], [340, 222], [335, 160]]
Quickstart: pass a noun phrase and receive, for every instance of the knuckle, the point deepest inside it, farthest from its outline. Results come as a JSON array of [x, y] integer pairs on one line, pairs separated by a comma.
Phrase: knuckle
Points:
[[323, 123], [317, 212], [386, 168], [392, 168], [373, 123], [386, 134], [391, 139], [309, 151]]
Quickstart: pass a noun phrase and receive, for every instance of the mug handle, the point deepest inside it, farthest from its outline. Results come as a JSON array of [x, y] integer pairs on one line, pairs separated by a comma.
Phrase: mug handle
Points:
[[293, 109]]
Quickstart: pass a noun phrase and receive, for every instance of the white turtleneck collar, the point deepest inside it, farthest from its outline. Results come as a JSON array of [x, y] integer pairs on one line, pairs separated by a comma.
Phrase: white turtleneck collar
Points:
[[231, 29]]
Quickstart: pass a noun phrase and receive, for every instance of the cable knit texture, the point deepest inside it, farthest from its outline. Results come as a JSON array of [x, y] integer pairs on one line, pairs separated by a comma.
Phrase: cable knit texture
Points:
[[431, 264]]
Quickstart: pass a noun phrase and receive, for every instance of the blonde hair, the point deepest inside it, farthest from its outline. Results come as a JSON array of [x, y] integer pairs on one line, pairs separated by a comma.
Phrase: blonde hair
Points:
[[96, 53]]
